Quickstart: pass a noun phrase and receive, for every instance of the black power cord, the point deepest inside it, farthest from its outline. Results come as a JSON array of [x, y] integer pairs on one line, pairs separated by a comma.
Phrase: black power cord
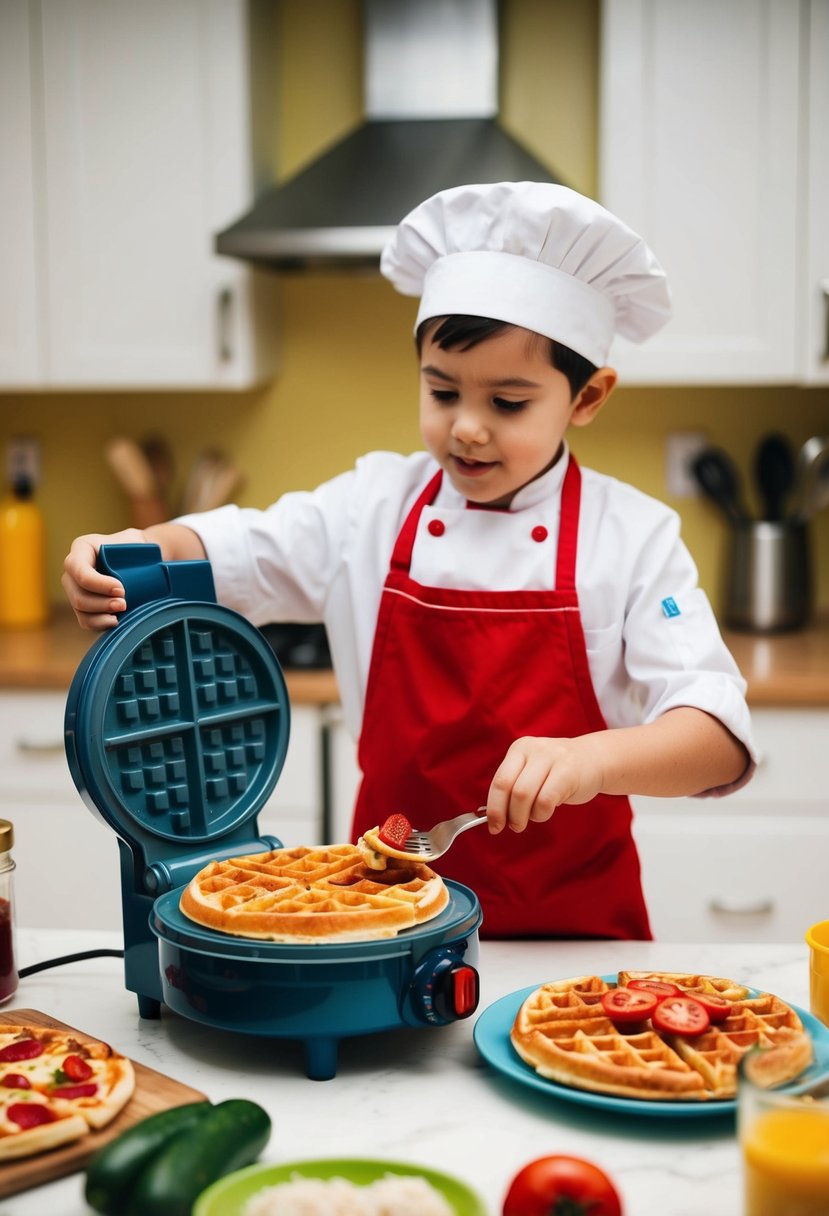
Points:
[[68, 958]]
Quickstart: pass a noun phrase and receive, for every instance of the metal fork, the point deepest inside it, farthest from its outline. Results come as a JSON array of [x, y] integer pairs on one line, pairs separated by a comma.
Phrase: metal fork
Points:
[[427, 846]]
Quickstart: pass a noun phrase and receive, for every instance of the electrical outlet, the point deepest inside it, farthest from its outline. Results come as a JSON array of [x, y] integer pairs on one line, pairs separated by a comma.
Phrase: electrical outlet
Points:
[[23, 459], [680, 449]]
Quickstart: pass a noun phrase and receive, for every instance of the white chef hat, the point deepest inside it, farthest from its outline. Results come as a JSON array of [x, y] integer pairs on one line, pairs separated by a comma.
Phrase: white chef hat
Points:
[[534, 254]]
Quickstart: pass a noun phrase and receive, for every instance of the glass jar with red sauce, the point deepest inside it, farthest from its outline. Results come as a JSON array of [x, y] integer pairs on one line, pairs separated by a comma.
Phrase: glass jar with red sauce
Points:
[[8, 953]]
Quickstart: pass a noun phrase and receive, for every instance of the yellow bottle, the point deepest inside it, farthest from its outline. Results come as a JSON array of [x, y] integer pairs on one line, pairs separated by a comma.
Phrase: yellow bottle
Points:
[[22, 558]]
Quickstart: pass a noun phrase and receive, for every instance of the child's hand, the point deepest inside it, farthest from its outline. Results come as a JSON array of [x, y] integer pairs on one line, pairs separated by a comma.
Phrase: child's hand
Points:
[[95, 597], [537, 775]]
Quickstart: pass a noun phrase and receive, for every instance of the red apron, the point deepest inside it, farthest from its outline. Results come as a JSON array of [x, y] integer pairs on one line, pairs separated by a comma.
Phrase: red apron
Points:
[[455, 678]]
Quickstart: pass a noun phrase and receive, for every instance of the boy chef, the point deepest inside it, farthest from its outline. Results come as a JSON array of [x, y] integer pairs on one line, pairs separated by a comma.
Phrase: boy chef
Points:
[[505, 627]]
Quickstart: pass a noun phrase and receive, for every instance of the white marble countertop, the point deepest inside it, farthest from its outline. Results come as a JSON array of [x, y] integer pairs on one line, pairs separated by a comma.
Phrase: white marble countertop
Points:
[[423, 1096]]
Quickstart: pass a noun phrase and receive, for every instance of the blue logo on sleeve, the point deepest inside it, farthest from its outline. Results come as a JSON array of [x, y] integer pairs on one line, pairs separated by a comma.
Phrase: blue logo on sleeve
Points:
[[670, 607]]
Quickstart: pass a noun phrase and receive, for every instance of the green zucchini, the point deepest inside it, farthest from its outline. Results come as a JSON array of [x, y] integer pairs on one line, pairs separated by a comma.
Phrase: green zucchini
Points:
[[111, 1174], [232, 1134]]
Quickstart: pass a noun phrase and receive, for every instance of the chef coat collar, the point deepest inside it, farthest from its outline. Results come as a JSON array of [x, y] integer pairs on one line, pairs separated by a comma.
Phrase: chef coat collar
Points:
[[536, 492]]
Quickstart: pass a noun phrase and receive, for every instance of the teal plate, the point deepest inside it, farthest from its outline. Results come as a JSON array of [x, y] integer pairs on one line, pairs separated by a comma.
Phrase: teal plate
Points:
[[228, 1196], [492, 1038]]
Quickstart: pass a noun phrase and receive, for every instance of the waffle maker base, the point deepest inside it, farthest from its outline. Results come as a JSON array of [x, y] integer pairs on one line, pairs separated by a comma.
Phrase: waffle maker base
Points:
[[319, 993], [176, 730]]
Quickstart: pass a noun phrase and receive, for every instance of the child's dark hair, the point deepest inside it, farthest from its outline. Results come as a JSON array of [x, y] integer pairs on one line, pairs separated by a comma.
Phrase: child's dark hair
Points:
[[466, 332]]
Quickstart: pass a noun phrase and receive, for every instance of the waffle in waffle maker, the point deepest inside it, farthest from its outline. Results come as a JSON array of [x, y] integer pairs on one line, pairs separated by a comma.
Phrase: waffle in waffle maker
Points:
[[176, 730]]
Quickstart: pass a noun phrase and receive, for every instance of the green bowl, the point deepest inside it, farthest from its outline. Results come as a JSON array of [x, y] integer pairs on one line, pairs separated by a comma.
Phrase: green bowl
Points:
[[228, 1196]]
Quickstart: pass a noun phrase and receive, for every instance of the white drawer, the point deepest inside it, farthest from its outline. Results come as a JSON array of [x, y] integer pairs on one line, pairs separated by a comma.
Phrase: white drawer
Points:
[[793, 745], [68, 868], [32, 752], [725, 878], [299, 788]]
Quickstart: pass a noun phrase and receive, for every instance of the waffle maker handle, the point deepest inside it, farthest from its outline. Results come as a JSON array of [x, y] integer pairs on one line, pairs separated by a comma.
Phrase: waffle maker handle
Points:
[[147, 579]]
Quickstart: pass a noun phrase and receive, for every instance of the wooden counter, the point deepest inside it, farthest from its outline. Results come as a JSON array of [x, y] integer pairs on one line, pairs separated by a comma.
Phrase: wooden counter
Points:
[[785, 669], [48, 658]]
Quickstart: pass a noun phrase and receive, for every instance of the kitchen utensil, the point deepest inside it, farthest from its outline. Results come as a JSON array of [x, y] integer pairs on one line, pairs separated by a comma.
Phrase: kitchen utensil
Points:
[[492, 1038], [222, 487], [134, 474], [159, 456], [811, 491], [212, 482], [717, 476], [768, 576], [229, 1196], [176, 730], [774, 471], [428, 846], [153, 1092]]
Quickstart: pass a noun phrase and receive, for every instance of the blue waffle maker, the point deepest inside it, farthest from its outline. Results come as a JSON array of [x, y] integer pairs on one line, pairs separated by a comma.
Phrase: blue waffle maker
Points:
[[176, 730]]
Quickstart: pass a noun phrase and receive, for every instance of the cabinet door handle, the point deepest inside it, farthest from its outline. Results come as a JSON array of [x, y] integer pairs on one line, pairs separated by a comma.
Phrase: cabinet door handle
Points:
[[225, 325], [824, 287], [29, 747], [738, 907]]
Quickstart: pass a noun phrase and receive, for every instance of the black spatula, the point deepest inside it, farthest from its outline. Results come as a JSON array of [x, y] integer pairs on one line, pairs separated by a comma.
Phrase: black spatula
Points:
[[774, 470]]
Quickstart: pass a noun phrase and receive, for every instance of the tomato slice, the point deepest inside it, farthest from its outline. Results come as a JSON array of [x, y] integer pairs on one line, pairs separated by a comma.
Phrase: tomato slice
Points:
[[77, 1068], [15, 1080], [30, 1114], [395, 831], [681, 1015], [85, 1089], [21, 1049], [659, 988], [717, 1007], [625, 1005]]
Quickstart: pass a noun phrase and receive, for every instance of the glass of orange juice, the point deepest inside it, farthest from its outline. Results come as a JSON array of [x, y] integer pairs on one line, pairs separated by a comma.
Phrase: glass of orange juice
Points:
[[784, 1142]]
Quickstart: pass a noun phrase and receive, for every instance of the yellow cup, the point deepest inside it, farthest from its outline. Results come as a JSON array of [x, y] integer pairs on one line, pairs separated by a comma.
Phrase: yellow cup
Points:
[[817, 939], [784, 1143]]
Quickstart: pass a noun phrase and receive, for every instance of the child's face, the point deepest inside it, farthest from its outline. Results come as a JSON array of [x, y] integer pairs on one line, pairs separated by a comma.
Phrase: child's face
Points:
[[493, 416]]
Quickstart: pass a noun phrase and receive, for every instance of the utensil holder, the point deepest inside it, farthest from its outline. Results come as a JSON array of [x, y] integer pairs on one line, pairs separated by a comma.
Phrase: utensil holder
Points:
[[769, 577]]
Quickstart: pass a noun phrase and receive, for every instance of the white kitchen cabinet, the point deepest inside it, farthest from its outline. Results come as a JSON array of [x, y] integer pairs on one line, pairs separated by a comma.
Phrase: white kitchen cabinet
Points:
[[18, 309], [752, 866], [344, 774], [68, 865], [713, 147], [814, 355], [125, 144], [293, 813]]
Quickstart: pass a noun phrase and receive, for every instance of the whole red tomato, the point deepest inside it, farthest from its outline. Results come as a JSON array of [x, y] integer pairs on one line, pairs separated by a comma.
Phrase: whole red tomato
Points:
[[561, 1186]]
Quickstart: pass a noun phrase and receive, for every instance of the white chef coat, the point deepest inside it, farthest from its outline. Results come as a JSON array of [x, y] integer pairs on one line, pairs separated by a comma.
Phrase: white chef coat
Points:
[[652, 639]]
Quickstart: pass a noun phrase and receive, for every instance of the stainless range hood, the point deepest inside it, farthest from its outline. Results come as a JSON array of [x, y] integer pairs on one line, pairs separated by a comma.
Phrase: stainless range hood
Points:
[[431, 81]]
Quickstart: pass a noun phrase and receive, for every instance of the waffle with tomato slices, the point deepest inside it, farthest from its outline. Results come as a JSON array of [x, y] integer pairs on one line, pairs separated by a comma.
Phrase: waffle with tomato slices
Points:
[[323, 894], [659, 1036]]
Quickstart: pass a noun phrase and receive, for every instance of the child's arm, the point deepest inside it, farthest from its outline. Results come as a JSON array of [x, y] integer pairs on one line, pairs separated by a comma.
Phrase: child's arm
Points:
[[96, 597], [685, 751]]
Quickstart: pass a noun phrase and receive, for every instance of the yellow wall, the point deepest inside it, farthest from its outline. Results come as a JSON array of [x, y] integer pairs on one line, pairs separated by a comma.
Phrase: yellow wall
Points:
[[348, 376]]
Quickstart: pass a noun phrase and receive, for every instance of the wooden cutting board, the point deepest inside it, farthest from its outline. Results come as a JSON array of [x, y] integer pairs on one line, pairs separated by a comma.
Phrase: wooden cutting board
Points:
[[153, 1092]]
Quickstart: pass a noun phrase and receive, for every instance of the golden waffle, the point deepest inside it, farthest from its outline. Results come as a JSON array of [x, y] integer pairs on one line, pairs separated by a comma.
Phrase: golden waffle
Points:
[[562, 1032], [324, 894]]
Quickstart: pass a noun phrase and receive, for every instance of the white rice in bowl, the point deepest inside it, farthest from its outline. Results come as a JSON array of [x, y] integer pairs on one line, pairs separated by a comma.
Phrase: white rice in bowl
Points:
[[394, 1195]]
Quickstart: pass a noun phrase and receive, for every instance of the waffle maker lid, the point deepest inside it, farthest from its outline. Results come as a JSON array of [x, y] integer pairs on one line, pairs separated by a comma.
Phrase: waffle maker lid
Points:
[[177, 720]]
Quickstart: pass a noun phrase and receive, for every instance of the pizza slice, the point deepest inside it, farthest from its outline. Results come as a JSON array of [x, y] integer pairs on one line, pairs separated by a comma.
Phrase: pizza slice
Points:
[[56, 1086]]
